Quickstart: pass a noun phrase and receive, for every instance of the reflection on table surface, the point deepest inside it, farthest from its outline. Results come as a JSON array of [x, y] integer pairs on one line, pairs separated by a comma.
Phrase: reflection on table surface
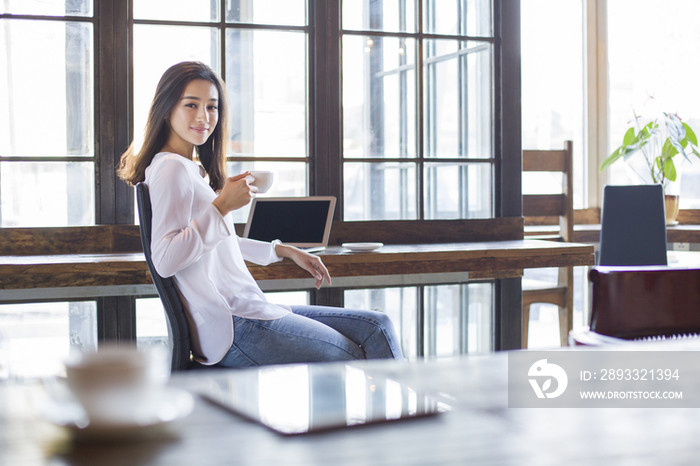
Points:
[[480, 428], [303, 398]]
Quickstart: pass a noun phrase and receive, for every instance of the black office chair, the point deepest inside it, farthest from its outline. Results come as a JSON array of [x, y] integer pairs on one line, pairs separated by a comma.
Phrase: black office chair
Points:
[[178, 327], [633, 226]]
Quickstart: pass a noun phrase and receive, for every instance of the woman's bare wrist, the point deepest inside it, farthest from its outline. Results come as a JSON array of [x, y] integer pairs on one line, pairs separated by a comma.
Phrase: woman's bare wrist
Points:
[[281, 249], [219, 204]]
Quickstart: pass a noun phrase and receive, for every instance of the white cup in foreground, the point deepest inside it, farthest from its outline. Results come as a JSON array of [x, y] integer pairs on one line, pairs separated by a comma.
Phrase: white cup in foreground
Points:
[[262, 180], [115, 384]]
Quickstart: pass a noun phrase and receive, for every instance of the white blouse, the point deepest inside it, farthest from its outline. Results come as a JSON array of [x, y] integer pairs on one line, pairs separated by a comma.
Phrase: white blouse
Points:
[[193, 243]]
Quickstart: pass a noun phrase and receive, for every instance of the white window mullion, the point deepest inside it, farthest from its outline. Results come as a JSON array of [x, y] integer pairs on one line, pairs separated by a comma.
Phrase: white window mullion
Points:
[[598, 91]]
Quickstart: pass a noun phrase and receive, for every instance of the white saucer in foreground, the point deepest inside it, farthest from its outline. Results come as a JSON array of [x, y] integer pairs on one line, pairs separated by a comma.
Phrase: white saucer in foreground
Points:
[[362, 247], [169, 406]]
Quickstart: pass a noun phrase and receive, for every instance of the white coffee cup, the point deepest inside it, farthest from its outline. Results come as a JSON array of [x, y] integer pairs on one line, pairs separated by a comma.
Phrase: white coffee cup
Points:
[[261, 180], [115, 384]]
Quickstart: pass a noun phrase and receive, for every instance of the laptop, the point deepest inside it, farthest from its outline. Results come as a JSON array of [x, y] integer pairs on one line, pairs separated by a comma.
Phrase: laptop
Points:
[[304, 222]]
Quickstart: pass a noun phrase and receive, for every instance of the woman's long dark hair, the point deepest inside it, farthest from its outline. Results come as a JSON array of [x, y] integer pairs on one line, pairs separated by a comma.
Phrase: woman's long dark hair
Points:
[[212, 154]]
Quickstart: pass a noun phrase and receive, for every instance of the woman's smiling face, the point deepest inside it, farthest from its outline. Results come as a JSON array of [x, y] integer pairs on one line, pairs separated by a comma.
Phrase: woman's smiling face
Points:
[[194, 117]]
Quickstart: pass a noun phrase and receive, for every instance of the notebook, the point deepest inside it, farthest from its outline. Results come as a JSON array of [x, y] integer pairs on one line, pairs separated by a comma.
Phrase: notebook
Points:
[[304, 222]]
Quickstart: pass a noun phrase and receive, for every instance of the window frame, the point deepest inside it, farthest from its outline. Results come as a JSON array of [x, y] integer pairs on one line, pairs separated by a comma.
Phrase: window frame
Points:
[[423, 68], [325, 160], [597, 95], [113, 24]]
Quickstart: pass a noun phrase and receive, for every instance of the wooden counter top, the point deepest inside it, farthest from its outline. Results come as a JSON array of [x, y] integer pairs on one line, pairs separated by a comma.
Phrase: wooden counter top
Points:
[[497, 259], [591, 233]]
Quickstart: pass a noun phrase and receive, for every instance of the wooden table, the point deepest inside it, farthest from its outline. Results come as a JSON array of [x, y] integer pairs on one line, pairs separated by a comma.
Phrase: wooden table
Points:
[[590, 233], [85, 276], [481, 429], [90, 275]]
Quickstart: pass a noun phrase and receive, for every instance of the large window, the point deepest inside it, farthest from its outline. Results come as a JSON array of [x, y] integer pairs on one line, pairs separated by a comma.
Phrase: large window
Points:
[[414, 118], [417, 109], [554, 92], [47, 118], [650, 72], [590, 66]]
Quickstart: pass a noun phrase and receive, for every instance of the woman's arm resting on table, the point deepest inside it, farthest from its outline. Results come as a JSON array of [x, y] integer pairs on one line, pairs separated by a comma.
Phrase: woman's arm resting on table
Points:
[[309, 262]]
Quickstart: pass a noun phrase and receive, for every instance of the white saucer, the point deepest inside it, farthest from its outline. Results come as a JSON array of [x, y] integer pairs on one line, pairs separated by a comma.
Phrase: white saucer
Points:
[[362, 247], [170, 405]]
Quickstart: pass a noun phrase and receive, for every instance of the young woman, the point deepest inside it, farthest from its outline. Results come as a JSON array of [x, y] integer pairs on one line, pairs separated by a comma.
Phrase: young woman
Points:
[[194, 241]]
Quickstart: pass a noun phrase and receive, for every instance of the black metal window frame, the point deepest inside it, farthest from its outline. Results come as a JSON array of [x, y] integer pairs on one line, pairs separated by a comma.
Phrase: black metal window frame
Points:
[[424, 81], [113, 24]]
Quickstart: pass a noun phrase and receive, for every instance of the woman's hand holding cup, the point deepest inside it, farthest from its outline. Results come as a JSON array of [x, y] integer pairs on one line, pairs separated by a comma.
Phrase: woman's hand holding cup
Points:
[[261, 180], [236, 193]]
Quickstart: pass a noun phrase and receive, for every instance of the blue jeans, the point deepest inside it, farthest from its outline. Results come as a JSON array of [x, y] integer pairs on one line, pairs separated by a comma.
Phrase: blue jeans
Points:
[[312, 334]]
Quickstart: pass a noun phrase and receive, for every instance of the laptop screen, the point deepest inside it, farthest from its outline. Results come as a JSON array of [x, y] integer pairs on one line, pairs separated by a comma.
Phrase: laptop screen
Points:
[[298, 221]]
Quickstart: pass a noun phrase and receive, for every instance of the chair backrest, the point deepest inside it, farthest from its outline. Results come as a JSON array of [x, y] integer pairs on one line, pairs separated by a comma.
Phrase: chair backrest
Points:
[[178, 327], [538, 209], [633, 226], [638, 302]]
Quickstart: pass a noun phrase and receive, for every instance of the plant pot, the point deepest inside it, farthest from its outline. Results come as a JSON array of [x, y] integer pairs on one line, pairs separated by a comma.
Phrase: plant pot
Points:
[[671, 201]]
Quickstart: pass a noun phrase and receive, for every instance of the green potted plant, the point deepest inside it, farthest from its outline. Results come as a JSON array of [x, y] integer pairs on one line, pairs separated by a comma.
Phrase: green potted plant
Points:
[[659, 142]]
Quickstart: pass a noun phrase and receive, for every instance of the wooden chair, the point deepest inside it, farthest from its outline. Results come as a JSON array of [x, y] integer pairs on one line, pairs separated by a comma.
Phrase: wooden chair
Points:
[[642, 303], [543, 209]]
